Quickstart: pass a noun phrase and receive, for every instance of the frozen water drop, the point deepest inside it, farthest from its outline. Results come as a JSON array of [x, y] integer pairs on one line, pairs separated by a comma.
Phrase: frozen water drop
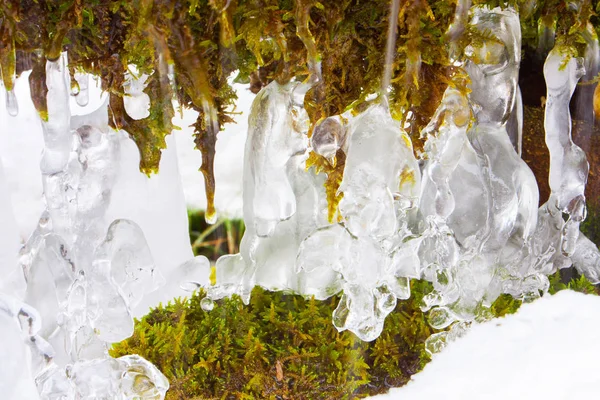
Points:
[[207, 304], [436, 342], [328, 136], [211, 218], [440, 318]]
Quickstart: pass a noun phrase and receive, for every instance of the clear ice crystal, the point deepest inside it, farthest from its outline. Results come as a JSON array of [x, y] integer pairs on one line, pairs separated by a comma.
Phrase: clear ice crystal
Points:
[[282, 203], [82, 93], [83, 277], [465, 217], [380, 167], [446, 136], [568, 163], [131, 264], [273, 140], [57, 134]]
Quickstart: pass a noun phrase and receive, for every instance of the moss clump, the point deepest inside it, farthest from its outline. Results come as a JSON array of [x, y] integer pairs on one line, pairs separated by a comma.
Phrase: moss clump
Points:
[[284, 346], [279, 346]]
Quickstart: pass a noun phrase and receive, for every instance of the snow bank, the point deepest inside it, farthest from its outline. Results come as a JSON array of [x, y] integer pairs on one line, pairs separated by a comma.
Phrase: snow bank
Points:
[[545, 351]]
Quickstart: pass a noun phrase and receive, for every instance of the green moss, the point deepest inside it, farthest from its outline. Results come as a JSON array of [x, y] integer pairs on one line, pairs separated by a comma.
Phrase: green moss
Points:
[[285, 346], [279, 346]]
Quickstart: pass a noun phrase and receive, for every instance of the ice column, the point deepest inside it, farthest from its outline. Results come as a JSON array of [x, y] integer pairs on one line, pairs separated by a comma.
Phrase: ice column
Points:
[[568, 164], [281, 201], [381, 187], [57, 134], [446, 136], [83, 276], [511, 189]]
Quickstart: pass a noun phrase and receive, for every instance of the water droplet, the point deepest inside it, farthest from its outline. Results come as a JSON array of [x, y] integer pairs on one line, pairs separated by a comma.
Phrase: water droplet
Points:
[[440, 317], [207, 304], [210, 218]]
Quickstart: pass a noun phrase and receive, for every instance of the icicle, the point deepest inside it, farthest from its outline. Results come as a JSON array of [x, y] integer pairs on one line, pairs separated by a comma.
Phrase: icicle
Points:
[[457, 27], [446, 136], [12, 106], [390, 50], [57, 133], [274, 179], [83, 283], [510, 186], [212, 128], [82, 97], [568, 164]]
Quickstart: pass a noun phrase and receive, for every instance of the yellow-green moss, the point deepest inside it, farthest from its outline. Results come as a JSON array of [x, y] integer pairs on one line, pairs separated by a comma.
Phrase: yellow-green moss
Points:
[[284, 346]]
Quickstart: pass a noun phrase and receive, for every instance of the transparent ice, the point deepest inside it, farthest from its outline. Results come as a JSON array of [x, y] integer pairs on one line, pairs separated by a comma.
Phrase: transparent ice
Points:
[[82, 276], [464, 217], [568, 164]]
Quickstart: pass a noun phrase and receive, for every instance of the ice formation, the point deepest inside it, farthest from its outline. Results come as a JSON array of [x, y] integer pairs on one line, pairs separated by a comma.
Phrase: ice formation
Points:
[[465, 217], [82, 276]]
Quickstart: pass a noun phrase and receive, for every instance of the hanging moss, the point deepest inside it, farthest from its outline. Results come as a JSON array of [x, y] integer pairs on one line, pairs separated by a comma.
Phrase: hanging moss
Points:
[[206, 40]]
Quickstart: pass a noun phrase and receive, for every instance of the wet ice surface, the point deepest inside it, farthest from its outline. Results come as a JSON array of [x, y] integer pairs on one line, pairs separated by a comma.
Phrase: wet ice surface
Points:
[[467, 219]]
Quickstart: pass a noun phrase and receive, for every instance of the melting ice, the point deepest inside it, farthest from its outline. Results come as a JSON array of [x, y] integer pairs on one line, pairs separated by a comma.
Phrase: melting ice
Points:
[[83, 275], [465, 216]]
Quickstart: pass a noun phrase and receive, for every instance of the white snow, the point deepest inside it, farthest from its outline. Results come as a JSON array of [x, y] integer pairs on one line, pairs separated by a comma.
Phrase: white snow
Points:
[[547, 350], [9, 240], [21, 145]]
